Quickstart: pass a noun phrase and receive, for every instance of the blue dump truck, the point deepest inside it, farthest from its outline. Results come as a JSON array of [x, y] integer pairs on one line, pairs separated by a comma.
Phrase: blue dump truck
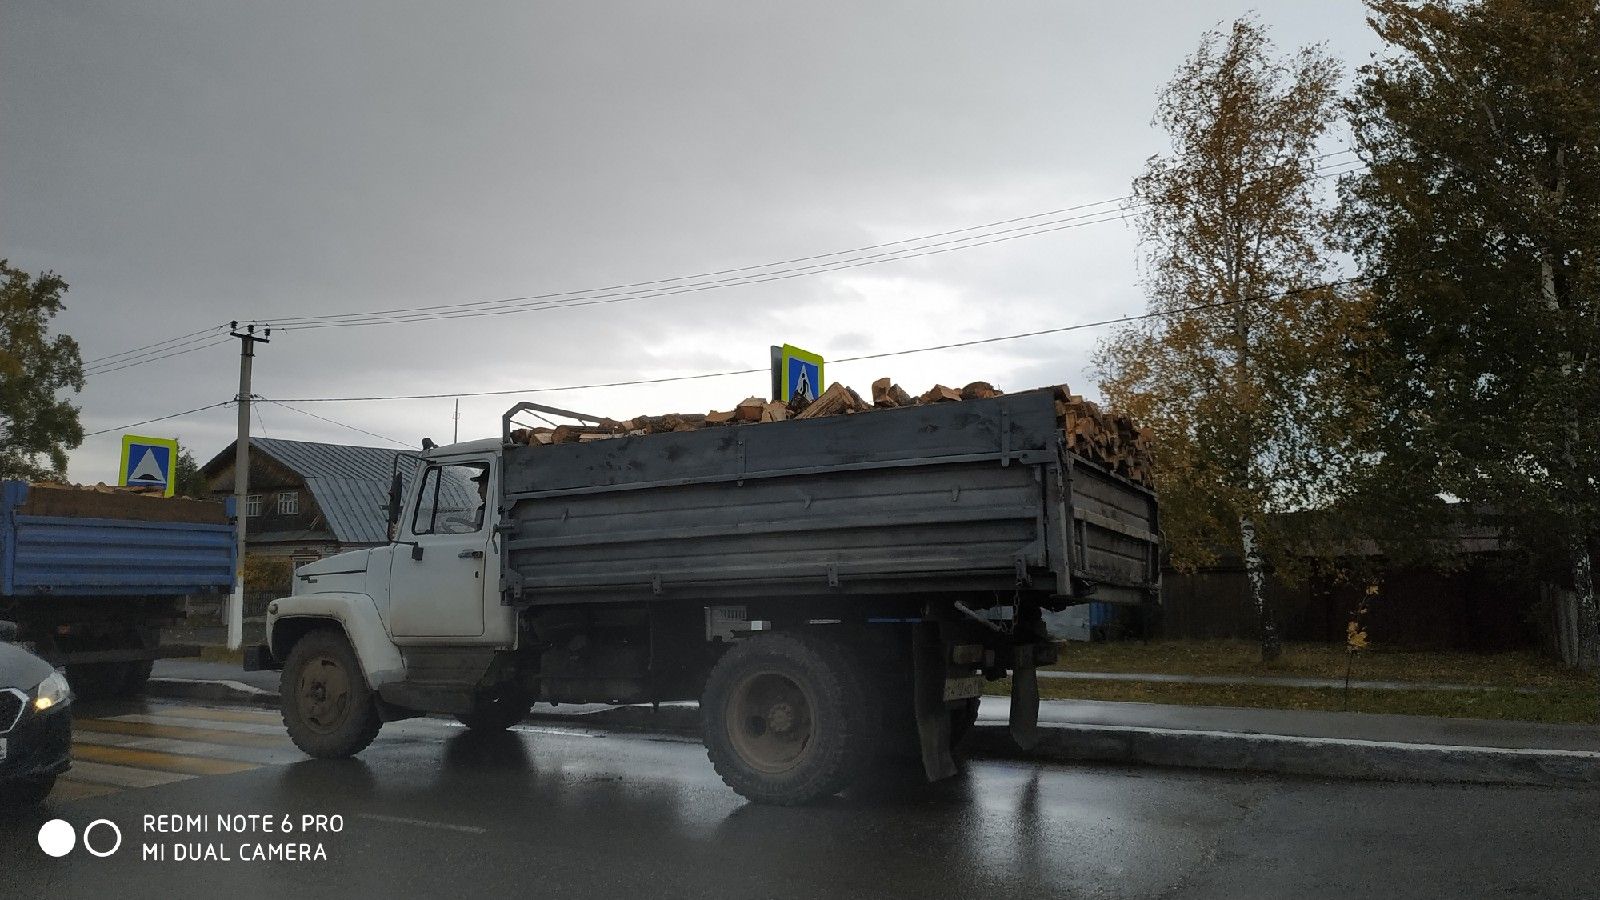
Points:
[[90, 575]]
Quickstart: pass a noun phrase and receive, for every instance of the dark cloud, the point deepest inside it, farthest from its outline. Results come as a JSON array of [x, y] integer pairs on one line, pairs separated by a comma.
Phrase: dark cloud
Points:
[[186, 164]]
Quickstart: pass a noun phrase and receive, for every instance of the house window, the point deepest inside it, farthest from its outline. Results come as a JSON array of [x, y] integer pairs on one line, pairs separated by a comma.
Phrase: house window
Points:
[[252, 505], [289, 503]]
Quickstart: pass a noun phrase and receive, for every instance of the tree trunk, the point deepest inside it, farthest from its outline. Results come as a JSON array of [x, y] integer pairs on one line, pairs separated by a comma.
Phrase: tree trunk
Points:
[[1255, 572], [1588, 612]]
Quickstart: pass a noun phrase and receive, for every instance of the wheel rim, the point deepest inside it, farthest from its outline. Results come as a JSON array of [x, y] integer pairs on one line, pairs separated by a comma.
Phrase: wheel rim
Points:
[[324, 694], [770, 721]]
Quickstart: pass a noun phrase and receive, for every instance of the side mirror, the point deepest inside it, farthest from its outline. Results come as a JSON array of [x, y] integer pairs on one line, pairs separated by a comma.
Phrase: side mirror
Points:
[[416, 551], [8, 632]]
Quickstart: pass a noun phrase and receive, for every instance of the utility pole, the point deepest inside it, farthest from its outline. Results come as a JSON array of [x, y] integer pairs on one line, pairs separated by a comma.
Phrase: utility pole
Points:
[[241, 475], [455, 429]]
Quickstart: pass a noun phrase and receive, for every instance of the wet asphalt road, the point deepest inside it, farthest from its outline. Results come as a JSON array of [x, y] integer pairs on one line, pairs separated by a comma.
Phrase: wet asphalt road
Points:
[[431, 810]]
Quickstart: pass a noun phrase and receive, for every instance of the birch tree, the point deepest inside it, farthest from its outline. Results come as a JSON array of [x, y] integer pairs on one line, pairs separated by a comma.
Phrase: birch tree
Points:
[[1480, 217], [1237, 376]]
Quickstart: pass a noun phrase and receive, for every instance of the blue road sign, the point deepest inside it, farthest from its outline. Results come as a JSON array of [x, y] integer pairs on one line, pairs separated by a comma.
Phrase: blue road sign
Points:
[[801, 373], [148, 462]]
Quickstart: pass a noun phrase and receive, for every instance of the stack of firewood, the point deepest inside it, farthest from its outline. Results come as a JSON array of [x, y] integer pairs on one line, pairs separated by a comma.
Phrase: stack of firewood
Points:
[[1110, 439]]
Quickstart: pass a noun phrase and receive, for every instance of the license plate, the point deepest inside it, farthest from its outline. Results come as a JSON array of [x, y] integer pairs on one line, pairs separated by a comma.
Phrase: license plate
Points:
[[962, 688]]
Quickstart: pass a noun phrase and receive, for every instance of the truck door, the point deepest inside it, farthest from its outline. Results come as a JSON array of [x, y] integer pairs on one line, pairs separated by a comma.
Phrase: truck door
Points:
[[439, 568]]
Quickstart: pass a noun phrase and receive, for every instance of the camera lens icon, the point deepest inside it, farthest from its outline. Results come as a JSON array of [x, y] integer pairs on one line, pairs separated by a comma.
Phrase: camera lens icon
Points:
[[57, 838]]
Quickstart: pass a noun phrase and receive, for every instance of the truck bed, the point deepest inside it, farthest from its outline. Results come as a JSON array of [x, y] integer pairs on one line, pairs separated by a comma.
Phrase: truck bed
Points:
[[960, 497], [62, 541]]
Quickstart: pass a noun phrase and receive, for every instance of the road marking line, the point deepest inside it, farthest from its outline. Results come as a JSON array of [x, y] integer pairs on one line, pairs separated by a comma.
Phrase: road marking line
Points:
[[421, 823], [68, 789], [183, 732], [256, 717], [161, 762], [274, 728], [262, 756], [119, 776]]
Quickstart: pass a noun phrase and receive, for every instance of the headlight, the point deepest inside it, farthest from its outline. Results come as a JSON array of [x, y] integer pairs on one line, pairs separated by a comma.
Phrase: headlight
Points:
[[53, 691]]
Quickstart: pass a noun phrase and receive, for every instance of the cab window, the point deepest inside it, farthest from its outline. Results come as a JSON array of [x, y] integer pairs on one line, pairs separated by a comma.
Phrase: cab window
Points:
[[452, 499]]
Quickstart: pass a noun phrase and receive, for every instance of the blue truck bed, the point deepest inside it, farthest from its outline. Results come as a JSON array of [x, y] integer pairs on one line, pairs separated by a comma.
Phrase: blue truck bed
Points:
[[96, 544], [91, 576]]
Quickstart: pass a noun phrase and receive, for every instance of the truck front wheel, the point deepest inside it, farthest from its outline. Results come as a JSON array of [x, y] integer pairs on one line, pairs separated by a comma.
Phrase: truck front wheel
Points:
[[784, 719], [328, 708]]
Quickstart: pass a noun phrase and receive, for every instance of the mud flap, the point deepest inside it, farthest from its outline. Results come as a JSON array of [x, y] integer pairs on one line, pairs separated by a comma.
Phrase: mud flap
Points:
[[1025, 701], [933, 717]]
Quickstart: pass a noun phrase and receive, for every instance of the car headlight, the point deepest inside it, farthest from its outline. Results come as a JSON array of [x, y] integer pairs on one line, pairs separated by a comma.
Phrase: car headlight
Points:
[[53, 691]]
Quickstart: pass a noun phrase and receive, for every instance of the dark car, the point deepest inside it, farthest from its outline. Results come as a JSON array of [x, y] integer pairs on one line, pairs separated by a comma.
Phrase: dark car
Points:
[[35, 723]]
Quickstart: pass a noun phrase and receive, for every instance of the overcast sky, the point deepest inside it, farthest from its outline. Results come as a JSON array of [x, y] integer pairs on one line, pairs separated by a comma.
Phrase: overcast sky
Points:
[[184, 164]]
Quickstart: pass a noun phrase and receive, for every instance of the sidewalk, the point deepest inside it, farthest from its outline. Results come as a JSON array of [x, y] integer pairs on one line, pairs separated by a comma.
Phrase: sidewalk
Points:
[[1296, 742]]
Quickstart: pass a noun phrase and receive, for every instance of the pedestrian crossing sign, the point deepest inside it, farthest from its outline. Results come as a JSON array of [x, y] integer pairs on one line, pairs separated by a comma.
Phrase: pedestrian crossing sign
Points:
[[149, 463], [796, 373]]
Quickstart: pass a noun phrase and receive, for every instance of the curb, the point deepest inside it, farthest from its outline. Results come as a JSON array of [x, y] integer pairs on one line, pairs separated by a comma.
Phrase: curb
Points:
[[214, 691], [1340, 758]]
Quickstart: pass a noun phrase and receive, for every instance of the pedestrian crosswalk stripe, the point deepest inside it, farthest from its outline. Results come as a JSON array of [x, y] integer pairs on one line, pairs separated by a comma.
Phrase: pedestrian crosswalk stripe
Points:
[[274, 729], [181, 732], [259, 755], [259, 716], [114, 776], [69, 789], [161, 762]]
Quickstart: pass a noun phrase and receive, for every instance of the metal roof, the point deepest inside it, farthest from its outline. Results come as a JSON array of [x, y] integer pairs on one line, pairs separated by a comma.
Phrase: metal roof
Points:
[[349, 484], [314, 460]]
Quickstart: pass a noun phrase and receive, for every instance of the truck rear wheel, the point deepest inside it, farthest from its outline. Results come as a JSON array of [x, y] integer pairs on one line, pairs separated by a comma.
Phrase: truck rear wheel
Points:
[[134, 677], [96, 681], [328, 709], [784, 719]]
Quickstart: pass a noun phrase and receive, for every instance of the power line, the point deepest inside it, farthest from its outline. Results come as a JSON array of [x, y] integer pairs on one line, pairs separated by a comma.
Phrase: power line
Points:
[[303, 412], [112, 356], [762, 273], [575, 299], [157, 357], [802, 266], [1119, 320], [175, 415]]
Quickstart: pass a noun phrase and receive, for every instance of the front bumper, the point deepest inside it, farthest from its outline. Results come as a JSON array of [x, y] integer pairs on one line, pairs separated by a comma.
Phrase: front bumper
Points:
[[40, 745]]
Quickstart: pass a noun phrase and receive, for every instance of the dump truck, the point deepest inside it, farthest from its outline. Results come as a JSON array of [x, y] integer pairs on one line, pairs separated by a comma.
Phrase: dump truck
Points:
[[832, 590], [90, 576]]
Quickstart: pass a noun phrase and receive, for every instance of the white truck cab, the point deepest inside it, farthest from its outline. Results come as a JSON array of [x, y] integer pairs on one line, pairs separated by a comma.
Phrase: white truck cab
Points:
[[436, 585]]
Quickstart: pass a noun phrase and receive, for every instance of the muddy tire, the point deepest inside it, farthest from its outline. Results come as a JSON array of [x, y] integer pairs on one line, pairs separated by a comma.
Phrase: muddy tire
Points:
[[328, 708], [785, 721], [496, 710]]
